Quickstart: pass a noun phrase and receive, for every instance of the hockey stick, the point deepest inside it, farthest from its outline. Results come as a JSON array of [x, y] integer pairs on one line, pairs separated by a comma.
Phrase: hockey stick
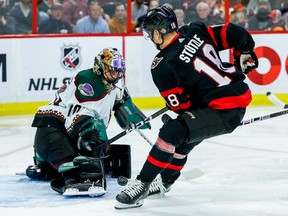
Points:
[[264, 117], [275, 100], [67, 60], [144, 137], [98, 149]]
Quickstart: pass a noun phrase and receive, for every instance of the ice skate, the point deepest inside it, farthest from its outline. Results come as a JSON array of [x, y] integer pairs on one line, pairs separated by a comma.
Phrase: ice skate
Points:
[[133, 196], [158, 188]]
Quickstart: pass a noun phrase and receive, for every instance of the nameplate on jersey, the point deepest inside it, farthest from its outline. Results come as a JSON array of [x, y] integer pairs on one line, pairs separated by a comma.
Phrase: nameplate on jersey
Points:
[[190, 48]]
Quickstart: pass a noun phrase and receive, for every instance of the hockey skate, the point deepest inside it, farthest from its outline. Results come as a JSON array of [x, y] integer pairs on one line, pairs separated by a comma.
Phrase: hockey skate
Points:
[[133, 196], [158, 188], [41, 171]]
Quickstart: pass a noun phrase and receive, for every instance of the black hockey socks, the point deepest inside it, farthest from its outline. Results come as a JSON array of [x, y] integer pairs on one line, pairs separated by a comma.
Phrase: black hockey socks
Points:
[[158, 159]]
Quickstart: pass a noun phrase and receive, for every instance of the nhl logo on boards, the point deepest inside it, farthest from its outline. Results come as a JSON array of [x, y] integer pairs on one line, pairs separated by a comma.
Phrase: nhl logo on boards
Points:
[[71, 52]]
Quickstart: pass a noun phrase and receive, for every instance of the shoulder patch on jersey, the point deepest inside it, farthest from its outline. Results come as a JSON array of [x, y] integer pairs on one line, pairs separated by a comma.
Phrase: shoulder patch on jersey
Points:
[[155, 62], [86, 89]]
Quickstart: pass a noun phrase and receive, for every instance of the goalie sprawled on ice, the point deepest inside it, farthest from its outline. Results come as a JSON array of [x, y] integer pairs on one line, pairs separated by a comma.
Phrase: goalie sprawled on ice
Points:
[[71, 126]]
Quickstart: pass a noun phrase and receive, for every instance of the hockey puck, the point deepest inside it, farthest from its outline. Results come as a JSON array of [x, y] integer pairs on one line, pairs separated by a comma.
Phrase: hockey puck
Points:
[[122, 180]]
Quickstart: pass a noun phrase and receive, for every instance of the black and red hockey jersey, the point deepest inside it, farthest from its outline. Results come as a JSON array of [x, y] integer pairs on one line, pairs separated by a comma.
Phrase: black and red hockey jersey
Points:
[[189, 72]]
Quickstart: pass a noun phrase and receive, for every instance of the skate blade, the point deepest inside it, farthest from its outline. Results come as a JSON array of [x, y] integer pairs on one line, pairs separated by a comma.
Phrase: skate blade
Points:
[[120, 206], [92, 191], [156, 195]]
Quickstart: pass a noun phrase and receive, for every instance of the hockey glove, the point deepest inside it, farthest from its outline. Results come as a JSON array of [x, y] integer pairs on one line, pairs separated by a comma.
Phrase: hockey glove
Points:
[[92, 134], [166, 118], [128, 113], [246, 61]]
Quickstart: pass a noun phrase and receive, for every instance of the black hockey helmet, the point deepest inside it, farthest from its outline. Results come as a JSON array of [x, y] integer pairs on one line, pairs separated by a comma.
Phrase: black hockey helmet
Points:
[[162, 19]]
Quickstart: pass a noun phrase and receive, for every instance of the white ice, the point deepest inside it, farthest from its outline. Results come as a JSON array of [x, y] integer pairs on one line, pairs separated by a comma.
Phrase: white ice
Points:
[[240, 174]]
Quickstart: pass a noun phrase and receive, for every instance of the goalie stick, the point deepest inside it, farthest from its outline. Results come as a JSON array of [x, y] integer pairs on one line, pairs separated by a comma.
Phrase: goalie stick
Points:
[[97, 151], [275, 100]]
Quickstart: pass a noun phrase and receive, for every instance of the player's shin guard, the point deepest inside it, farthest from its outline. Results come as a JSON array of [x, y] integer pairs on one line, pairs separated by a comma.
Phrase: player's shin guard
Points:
[[158, 159], [162, 185], [172, 172]]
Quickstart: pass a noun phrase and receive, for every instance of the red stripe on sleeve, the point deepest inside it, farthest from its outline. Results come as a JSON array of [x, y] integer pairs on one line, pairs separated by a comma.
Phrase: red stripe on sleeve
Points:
[[224, 36], [181, 106], [176, 90], [210, 31]]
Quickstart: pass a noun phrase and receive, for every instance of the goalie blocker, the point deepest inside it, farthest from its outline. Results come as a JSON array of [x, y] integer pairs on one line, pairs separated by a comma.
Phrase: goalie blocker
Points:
[[117, 163]]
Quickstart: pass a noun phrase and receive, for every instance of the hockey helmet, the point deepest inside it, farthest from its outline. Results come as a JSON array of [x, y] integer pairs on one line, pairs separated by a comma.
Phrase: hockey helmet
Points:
[[109, 60], [162, 19]]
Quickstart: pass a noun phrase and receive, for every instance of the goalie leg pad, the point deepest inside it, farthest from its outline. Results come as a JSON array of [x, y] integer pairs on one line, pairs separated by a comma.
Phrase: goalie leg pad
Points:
[[83, 176], [42, 171], [119, 161]]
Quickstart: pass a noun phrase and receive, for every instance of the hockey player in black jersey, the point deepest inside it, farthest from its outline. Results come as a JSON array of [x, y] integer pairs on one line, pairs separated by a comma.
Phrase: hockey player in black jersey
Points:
[[74, 124], [209, 96]]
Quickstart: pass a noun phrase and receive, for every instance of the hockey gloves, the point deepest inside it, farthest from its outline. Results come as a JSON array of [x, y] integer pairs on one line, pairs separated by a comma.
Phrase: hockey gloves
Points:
[[92, 134], [128, 113], [246, 61]]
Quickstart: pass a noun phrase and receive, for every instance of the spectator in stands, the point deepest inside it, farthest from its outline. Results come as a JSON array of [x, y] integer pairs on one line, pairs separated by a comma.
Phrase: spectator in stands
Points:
[[105, 16], [276, 22], [252, 8], [152, 4], [73, 10], [55, 24], [118, 23], [168, 5], [22, 15], [138, 9], [7, 24], [284, 11], [177, 4], [260, 20], [44, 5], [93, 22], [239, 16], [180, 16], [217, 8], [276, 4], [203, 14]]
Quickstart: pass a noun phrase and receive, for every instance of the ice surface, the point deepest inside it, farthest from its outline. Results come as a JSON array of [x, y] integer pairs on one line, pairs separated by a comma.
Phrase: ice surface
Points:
[[241, 174]]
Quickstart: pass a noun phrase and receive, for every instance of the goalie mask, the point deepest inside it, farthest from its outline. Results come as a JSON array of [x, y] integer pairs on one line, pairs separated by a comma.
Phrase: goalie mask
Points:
[[109, 64]]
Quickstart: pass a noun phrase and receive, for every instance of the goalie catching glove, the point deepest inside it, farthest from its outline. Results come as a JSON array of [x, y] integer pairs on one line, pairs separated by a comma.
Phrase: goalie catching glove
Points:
[[92, 134], [128, 113], [246, 61]]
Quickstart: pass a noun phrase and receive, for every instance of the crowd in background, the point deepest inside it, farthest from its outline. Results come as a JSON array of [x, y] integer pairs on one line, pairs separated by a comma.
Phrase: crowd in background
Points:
[[110, 16]]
